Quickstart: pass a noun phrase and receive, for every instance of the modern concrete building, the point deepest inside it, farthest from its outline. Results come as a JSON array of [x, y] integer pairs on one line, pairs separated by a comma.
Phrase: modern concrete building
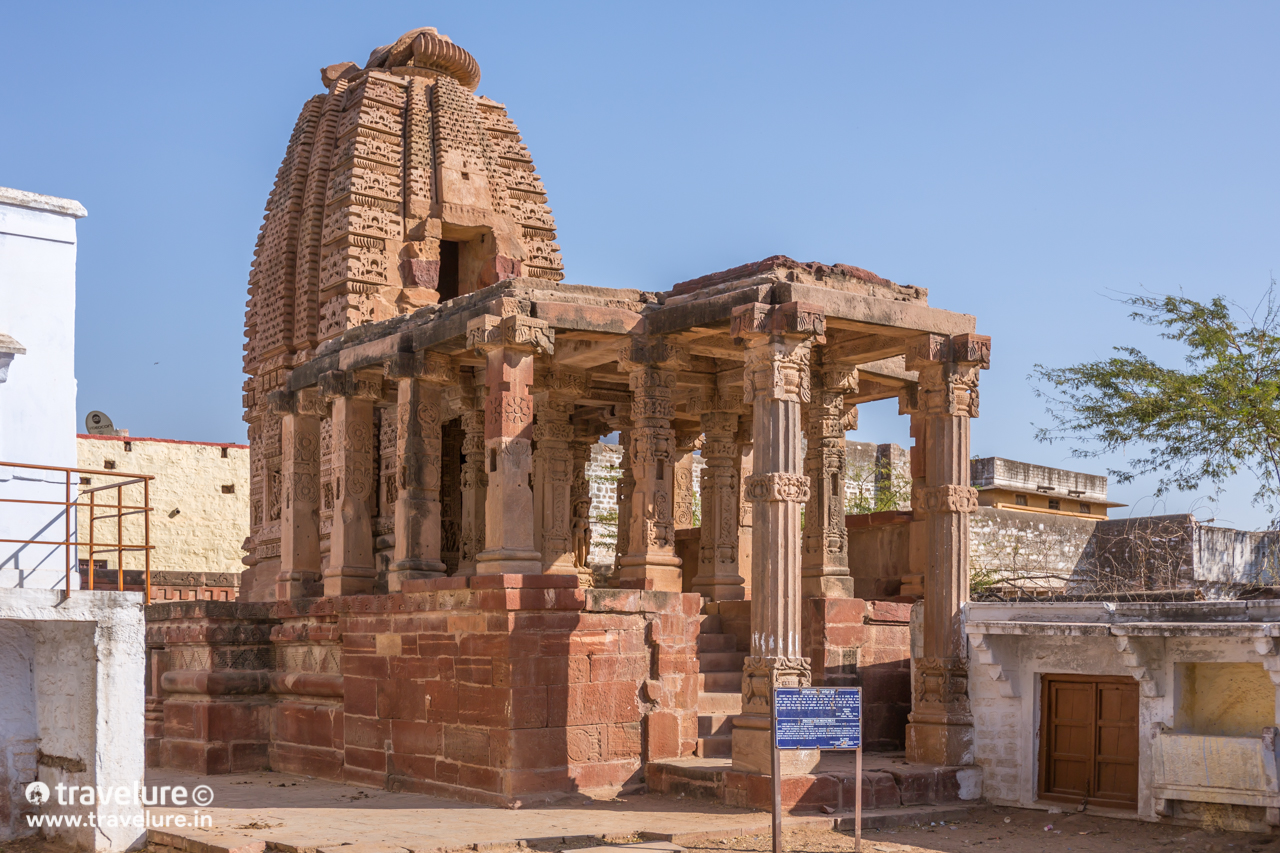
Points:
[[37, 380]]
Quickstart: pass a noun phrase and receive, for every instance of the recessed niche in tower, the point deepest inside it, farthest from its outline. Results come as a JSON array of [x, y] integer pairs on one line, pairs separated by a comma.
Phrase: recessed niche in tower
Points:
[[449, 257]]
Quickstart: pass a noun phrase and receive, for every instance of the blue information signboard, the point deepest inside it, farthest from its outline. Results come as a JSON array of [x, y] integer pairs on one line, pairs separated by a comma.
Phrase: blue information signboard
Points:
[[818, 717]]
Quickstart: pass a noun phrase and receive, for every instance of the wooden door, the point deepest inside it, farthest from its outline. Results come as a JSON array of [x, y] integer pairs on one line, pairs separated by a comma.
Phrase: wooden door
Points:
[[1089, 740]]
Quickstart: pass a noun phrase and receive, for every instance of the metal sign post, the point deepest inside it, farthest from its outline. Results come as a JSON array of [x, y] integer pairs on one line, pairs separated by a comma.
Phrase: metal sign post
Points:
[[816, 718]]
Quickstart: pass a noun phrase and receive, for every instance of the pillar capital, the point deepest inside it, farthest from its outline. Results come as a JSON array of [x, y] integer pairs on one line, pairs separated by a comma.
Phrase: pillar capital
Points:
[[653, 353], [948, 375], [757, 319], [354, 384], [515, 331]]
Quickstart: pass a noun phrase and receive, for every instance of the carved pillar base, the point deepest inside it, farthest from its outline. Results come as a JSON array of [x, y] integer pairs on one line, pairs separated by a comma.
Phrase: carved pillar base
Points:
[[946, 745], [753, 729]]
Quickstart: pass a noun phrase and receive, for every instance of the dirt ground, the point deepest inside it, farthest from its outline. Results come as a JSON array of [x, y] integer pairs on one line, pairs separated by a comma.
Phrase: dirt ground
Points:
[[1014, 830], [32, 845]]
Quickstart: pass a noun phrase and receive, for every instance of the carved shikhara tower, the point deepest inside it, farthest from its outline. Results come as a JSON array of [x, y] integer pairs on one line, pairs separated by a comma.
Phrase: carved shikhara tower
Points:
[[400, 187]]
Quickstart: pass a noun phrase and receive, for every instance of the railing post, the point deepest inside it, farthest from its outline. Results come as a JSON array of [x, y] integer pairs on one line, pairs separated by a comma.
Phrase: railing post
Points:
[[92, 512], [67, 525], [146, 522], [119, 540]]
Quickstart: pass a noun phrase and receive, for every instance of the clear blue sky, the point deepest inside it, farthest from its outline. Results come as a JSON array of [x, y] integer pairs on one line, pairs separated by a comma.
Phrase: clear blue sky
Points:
[[1020, 160]]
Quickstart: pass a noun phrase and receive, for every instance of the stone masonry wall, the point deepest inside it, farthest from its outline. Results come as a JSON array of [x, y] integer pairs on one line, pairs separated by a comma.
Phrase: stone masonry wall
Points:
[[489, 689]]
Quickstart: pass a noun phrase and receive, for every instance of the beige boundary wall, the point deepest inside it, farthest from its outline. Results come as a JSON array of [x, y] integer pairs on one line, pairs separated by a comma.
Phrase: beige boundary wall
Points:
[[207, 484]]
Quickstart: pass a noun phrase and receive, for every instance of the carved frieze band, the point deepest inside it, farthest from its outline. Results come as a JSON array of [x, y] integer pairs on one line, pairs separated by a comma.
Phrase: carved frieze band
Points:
[[949, 498], [776, 486]]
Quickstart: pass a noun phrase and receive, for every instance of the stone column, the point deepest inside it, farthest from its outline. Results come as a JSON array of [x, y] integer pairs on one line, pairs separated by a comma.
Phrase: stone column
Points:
[[475, 481], [553, 470], [651, 561], [351, 569], [620, 420], [451, 493], [946, 397], [778, 341], [419, 462], [745, 447], [719, 575], [509, 345], [824, 565], [682, 479], [302, 413], [580, 501]]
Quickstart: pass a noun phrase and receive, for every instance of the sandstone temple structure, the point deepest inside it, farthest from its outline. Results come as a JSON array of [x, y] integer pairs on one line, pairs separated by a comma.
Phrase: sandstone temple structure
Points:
[[422, 400]]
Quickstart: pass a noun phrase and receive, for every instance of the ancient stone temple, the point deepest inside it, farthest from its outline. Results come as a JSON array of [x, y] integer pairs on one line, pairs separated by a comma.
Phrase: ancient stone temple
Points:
[[423, 397]]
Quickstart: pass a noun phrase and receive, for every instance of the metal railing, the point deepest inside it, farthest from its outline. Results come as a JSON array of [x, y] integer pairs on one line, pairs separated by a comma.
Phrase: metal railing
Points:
[[77, 501]]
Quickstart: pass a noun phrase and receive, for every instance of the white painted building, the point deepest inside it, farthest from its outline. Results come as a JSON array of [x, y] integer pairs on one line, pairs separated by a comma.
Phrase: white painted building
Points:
[[37, 379]]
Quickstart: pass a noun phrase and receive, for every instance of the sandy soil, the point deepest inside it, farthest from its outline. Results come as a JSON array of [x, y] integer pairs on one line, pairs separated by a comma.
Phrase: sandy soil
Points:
[[1020, 830]]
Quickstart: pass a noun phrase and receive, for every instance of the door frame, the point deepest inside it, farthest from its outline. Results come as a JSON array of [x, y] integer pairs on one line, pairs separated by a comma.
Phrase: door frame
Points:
[[1042, 768]]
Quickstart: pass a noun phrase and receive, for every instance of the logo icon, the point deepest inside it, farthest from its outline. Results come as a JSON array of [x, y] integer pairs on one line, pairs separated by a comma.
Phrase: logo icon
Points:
[[37, 793]]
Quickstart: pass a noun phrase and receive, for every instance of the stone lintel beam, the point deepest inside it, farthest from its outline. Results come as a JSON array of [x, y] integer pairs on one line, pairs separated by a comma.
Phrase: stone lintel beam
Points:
[[351, 569]]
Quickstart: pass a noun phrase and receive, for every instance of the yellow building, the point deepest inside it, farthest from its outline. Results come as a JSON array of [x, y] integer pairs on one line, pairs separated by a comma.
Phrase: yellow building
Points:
[[200, 500], [1006, 484]]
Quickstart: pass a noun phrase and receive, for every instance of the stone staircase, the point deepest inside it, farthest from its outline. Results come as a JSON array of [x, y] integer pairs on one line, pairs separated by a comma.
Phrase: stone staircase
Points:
[[719, 688]]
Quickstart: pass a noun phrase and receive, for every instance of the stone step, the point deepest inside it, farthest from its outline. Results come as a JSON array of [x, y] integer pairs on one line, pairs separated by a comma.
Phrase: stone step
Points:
[[709, 624], [710, 725], [714, 747], [720, 703], [721, 661], [708, 642], [720, 682]]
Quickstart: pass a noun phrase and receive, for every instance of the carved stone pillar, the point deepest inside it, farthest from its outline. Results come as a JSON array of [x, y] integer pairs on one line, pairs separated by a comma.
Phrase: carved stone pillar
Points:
[[621, 421], [451, 494], [945, 398], [745, 447], [509, 344], [553, 470], [824, 565], [719, 574], [682, 481], [299, 575], [776, 383], [580, 501], [475, 482], [351, 569], [419, 455], [651, 561]]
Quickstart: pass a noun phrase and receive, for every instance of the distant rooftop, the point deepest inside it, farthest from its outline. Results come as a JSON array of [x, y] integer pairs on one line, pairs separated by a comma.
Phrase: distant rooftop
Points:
[[996, 473], [35, 201]]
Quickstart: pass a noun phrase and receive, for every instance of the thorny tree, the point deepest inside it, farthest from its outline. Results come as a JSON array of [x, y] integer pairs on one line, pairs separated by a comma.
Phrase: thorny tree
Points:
[[1206, 422]]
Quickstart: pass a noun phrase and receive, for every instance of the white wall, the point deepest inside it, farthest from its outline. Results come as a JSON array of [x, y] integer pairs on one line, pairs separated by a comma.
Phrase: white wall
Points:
[[38, 399], [1007, 727], [72, 697]]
